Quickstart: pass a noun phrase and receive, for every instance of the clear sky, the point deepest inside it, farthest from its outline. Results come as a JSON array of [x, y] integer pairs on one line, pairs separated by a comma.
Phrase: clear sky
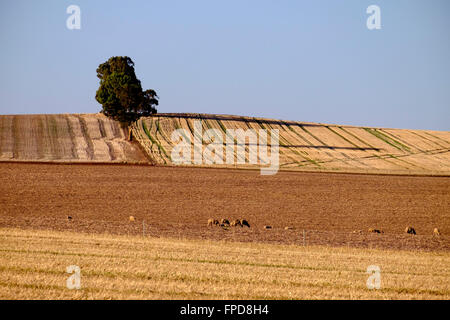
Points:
[[294, 60]]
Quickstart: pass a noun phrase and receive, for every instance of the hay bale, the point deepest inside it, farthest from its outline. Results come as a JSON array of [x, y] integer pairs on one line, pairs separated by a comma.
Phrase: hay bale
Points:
[[236, 223], [132, 219], [213, 222], [245, 223], [372, 230], [436, 232], [410, 230], [267, 227], [225, 222]]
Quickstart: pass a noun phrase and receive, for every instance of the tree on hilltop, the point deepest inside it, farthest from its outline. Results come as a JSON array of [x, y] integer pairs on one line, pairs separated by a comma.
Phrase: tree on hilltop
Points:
[[120, 92]]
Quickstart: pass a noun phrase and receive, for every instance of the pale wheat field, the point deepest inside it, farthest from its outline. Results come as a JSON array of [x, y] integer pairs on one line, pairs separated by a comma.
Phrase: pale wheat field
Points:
[[33, 266]]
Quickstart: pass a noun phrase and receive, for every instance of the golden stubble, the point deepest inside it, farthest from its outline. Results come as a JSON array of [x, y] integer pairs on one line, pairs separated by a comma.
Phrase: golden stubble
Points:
[[33, 266]]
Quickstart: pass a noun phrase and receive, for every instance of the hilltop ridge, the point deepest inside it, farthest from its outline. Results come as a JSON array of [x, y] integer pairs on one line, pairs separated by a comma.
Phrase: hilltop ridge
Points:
[[303, 146], [65, 138], [307, 146]]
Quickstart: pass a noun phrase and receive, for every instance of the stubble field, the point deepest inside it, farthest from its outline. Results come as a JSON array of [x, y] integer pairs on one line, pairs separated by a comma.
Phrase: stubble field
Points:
[[312, 147], [33, 266], [66, 138]]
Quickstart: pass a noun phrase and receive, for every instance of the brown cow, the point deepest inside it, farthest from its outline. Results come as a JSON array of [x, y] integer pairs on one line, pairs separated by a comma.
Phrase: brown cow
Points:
[[410, 230], [212, 222], [236, 223], [245, 223]]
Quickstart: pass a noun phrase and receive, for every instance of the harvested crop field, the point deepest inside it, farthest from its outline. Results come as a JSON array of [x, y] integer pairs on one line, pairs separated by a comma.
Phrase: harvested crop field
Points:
[[333, 209], [310, 147], [304, 146], [65, 138], [33, 266]]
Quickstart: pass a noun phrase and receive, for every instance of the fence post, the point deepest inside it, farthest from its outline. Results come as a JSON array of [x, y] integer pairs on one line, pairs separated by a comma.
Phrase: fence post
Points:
[[304, 238]]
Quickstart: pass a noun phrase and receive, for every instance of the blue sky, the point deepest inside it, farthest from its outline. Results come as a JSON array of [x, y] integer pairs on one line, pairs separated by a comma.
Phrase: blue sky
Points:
[[296, 60]]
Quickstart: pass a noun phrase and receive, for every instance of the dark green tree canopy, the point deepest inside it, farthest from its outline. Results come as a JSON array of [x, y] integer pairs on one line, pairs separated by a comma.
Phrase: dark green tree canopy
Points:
[[120, 92]]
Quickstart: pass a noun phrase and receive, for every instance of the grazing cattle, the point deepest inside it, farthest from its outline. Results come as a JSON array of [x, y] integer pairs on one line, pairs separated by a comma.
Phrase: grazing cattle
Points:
[[436, 232], [267, 227], [132, 219], [69, 218], [212, 222], [224, 222], [410, 230], [236, 223], [245, 223], [375, 230]]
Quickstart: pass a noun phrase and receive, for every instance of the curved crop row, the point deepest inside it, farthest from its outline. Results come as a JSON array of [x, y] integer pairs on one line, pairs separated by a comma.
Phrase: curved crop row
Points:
[[309, 146]]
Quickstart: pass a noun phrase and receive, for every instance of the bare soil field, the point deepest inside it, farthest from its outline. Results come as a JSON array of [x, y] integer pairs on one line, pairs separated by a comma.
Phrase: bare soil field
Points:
[[321, 209], [33, 266], [305, 146]]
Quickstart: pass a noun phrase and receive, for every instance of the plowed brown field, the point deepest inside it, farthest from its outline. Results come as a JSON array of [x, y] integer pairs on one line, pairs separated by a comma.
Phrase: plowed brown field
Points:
[[176, 202]]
